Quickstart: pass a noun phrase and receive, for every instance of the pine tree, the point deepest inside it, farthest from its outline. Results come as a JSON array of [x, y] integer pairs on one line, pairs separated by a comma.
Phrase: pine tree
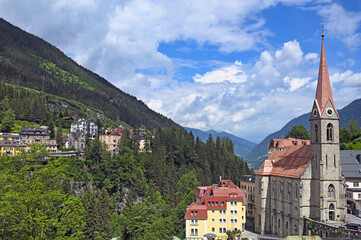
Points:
[[52, 130], [59, 136]]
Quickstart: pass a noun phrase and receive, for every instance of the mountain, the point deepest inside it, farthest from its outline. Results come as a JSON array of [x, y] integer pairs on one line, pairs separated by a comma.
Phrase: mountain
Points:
[[31, 62], [259, 152], [241, 146]]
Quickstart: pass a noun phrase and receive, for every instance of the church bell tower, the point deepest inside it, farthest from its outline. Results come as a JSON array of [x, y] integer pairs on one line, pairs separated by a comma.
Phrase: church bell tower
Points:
[[327, 200]]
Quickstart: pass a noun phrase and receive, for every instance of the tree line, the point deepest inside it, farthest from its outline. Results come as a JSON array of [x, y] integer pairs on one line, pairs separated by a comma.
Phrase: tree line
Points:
[[129, 195]]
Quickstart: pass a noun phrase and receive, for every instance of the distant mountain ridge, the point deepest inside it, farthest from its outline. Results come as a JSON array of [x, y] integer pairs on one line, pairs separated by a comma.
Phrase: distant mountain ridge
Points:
[[241, 146], [31, 62], [350, 112]]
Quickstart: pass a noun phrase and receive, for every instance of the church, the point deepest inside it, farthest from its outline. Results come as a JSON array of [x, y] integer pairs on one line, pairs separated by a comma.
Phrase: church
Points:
[[303, 178]]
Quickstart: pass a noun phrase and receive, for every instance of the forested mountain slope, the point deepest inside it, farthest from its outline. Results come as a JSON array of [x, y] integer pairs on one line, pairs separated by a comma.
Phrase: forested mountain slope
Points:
[[259, 152], [27, 60], [241, 146]]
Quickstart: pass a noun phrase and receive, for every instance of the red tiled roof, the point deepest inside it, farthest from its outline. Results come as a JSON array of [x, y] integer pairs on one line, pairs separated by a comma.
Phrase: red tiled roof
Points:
[[196, 211], [323, 93], [215, 194], [288, 163], [285, 142]]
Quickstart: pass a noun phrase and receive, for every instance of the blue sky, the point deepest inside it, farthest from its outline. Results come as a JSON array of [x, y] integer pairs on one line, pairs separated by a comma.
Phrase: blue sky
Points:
[[245, 67]]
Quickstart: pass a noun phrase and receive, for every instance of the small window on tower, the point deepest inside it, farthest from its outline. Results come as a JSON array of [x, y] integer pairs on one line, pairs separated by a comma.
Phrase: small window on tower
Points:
[[329, 132]]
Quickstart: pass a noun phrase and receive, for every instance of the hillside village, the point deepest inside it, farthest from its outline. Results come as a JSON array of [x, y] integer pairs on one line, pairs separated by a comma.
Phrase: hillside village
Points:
[[81, 133], [87, 179]]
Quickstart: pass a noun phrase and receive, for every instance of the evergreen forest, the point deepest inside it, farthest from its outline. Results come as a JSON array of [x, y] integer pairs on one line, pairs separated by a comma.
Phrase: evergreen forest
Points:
[[129, 195]]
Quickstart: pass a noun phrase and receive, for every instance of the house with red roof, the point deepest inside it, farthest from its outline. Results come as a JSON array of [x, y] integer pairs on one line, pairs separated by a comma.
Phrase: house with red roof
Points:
[[218, 208]]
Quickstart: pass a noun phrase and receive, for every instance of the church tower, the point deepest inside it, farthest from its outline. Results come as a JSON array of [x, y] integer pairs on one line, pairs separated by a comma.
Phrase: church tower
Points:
[[327, 199]]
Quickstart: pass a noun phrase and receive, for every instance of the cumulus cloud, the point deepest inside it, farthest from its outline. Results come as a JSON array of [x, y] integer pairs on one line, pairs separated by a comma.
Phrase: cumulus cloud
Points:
[[232, 73], [348, 78], [342, 24], [269, 93]]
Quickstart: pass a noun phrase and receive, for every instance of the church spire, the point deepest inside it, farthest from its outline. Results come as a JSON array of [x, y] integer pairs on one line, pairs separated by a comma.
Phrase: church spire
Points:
[[323, 93]]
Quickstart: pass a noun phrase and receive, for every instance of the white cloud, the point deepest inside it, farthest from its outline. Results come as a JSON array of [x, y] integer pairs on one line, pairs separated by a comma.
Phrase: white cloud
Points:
[[348, 78], [232, 73], [246, 106], [295, 83], [341, 24]]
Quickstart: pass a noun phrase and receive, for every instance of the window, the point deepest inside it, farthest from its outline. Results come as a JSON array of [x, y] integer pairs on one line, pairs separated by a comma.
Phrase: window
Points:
[[194, 222], [212, 211], [316, 133], [233, 203], [326, 160], [222, 230], [234, 212], [209, 203], [329, 132], [196, 213], [359, 195], [331, 191], [222, 220], [213, 220], [222, 203], [356, 184], [213, 229], [216, 203], [234, 220], [222, 212], [194, 231]]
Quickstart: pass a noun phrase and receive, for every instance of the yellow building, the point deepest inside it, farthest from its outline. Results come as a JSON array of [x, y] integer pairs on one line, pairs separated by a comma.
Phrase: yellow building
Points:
[[112, 138], [219, 208], [9, 144], [247, 183]]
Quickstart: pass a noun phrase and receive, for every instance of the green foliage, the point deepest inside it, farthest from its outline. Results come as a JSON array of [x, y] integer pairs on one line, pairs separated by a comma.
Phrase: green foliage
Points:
[[59, 136], [18, 124], [62, 75], [97, 216], [36, 152], [129, 195], [299, 132], [33, 203], [8, 121], [350, 137]]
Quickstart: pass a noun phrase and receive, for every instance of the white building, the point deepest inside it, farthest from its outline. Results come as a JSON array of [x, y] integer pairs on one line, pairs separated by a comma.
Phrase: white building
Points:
[[82, 125]]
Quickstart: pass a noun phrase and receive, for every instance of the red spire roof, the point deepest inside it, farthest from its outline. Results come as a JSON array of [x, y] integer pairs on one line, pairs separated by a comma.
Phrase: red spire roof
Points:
[[323, 93]]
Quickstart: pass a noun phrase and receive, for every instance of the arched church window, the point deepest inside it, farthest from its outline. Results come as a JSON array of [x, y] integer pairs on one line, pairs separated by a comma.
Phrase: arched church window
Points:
[[316, 133], [329, 132], [331, 212], [331, 191]]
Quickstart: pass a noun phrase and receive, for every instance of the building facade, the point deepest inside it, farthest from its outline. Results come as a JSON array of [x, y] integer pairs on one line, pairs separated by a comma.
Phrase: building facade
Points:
[[247, 183], [219, 208], [112, 138], [10, 144], [37, 135], [351, 170], [82, 125], [304, 179]]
